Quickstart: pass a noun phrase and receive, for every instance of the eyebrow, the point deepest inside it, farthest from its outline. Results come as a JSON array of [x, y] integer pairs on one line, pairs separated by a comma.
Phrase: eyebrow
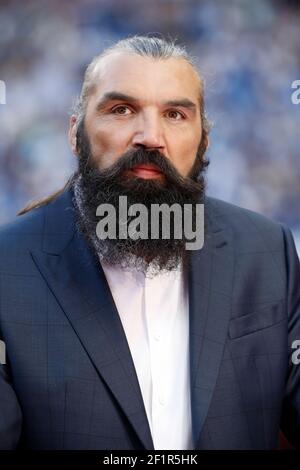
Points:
[[118, 96]]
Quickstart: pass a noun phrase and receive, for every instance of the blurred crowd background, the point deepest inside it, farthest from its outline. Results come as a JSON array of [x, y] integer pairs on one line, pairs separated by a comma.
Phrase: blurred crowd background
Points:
[[248, 52]]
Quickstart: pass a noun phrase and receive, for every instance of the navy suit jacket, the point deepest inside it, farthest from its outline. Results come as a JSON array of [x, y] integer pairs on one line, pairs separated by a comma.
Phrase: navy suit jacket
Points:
[[69, 380]]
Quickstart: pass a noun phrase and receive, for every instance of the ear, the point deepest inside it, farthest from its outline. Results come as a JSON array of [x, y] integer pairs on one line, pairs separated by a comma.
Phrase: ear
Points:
[[207, 142], [73, 134], [204, 145]]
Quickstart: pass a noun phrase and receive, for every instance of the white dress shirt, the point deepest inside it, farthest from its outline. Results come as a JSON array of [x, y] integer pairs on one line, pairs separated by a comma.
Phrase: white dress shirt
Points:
[[155, 317]]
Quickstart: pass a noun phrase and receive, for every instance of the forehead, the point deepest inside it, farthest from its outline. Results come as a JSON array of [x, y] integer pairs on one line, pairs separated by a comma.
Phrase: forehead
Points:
[[145, 77]]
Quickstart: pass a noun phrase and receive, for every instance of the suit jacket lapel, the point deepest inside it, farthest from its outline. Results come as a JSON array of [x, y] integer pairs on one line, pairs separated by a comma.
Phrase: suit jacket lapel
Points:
[[210, 277], [79, 285]]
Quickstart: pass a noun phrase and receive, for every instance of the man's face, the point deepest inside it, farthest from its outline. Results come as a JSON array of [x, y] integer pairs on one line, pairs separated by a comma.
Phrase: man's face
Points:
[[144, 102], [141, 140]]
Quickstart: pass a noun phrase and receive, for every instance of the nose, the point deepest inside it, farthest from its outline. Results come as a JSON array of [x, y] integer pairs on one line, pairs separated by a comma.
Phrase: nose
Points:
[[149, 132]]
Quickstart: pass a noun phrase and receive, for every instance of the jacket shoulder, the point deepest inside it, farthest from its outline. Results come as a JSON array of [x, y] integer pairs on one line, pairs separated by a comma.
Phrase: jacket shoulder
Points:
[[27, 225], [37, 229], [51, 218], [252, 231], [17, 239]]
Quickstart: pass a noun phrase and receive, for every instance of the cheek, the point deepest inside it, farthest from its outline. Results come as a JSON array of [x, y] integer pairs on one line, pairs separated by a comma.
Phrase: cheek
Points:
[[107, 146], [108, 134], [100, 138], [186, 152]]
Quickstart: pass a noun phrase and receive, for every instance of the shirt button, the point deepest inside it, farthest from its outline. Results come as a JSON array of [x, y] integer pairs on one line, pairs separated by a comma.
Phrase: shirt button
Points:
[[157, 336]]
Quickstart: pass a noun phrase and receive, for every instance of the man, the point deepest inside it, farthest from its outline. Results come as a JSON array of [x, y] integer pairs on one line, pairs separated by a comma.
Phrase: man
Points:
[[138, 343]]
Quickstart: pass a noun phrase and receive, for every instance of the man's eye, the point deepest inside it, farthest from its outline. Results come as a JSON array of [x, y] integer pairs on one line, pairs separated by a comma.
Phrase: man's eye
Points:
[[121, 110], [175, 115]]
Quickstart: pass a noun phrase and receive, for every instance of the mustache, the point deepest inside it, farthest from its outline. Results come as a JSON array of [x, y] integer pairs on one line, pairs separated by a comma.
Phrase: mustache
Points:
[[134, 157]]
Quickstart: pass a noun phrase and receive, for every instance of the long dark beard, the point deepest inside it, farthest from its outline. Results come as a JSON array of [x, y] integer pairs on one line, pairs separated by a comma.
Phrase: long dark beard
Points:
[[93, 187]]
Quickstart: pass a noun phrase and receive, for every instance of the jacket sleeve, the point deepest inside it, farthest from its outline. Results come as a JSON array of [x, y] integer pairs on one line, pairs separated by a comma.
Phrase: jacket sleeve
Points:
[[290, 419], [10, 412]]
